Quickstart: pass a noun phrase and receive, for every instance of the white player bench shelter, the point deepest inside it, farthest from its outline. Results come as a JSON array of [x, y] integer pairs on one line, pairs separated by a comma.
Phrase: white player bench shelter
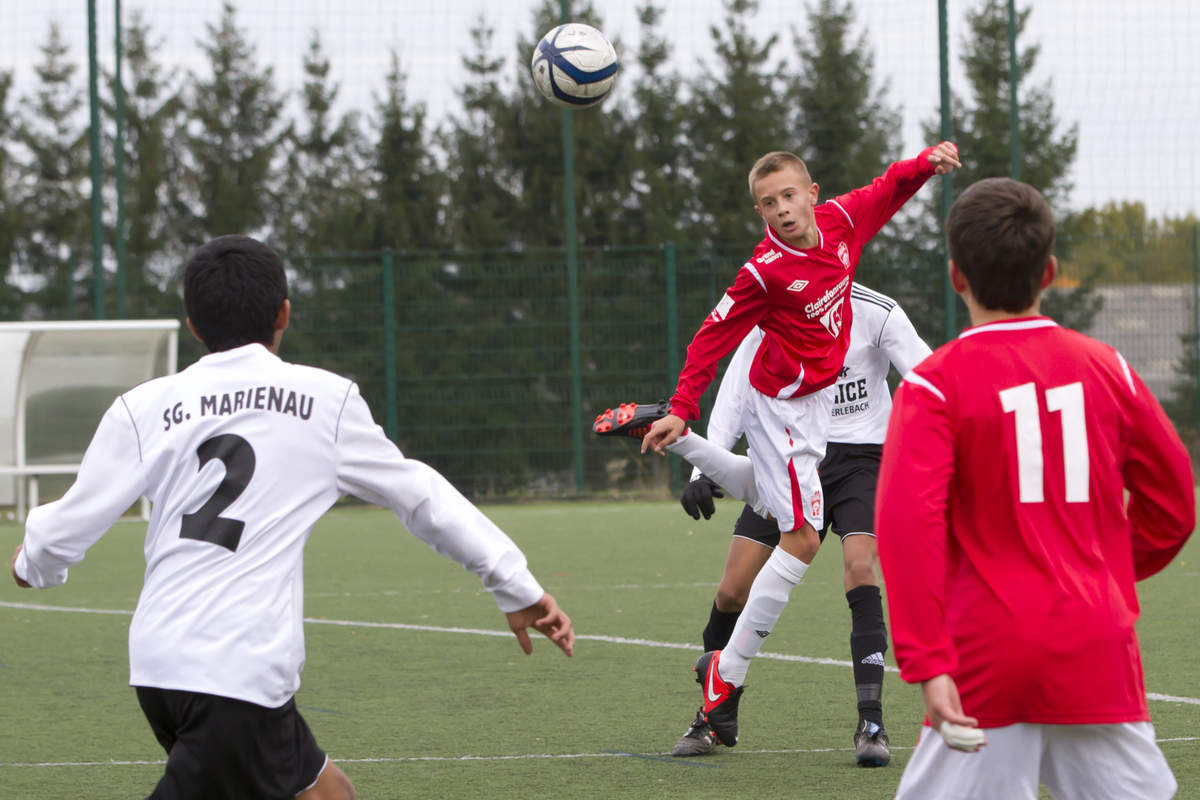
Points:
[[56, 381]]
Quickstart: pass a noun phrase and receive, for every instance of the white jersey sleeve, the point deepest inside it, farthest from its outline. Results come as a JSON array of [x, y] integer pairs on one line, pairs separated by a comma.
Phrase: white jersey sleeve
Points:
[[111, 478], [725, 420], [900, 343], [371, 467], [880, 335]]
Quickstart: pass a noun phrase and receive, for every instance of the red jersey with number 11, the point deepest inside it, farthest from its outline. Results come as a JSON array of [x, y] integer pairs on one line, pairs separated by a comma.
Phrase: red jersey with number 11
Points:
[[1007, 545]]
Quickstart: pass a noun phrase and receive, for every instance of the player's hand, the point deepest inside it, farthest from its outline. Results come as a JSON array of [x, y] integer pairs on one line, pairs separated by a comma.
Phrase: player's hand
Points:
[[944, 709], [945, 158], [662, 433], [547, 618], [697, 497], [24, 584]]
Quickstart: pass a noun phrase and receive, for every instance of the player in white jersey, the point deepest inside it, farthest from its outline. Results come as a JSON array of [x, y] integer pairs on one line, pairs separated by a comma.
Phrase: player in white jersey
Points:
[[881, 335], [240, 454]]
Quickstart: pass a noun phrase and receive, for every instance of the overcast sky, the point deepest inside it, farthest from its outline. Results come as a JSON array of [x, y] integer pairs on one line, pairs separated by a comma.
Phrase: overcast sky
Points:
[[1127, 73]]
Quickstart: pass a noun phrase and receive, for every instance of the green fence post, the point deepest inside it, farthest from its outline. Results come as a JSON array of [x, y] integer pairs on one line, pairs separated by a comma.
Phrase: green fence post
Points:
[[1014, 109], [569, 240], [119, 162], [389, 345], [94, 147], [947, 180], [674, 469], [1196, 317]]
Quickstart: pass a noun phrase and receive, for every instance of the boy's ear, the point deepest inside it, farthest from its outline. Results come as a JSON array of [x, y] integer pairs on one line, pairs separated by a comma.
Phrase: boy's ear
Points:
[[284, 316], [1050, 272], [192, 328], [957, 279]]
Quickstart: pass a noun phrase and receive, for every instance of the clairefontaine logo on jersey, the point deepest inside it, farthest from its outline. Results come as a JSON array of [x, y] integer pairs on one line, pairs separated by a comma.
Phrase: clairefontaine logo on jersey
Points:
[[797, 286], [723, 307], [828, 307], [832, 320], [844, 254], [769, 256]]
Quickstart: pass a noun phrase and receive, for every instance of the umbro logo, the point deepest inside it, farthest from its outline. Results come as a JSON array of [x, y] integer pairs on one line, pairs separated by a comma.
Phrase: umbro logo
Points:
[[769, 256], [875, 659], [763, 634], [797, 286]]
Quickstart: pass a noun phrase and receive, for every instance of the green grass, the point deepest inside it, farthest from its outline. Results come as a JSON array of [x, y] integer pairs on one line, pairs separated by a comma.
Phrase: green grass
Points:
[[429, 713]]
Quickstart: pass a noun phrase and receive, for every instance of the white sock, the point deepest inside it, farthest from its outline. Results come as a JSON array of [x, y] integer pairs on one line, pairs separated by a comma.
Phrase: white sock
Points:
[[731, 472], [768, 597]]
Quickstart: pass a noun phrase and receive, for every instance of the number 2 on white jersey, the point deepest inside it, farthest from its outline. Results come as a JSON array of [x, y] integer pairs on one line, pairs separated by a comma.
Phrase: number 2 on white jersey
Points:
[[1068, 401]]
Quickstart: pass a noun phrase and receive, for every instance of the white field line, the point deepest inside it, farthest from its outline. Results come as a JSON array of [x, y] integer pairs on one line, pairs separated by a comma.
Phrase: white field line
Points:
[[833, 662], [521, 757]]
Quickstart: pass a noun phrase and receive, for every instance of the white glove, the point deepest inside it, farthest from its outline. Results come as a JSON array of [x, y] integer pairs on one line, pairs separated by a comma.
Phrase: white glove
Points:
[[960, 737]]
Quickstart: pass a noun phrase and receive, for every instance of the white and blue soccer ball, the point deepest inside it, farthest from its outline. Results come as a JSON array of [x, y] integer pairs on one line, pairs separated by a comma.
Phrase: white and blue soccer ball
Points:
[[574, 66]]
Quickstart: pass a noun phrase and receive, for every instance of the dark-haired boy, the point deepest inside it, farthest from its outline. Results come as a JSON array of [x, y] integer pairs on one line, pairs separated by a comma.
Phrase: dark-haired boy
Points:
[[1007, 544], [241, 453]]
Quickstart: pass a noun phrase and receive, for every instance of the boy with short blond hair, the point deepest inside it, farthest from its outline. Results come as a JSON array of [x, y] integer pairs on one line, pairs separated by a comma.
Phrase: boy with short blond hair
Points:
[[796, 287]]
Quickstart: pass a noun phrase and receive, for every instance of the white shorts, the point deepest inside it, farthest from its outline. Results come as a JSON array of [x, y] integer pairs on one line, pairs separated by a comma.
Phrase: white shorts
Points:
[[1075, 762], [786, 441]]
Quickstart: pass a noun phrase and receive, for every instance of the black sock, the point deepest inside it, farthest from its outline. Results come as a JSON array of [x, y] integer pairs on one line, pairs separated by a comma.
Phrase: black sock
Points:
[[868, 643], [719, 628]]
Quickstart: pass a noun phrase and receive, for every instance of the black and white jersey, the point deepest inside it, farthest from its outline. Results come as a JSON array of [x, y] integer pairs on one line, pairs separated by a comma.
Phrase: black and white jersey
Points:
[[881, 335], [240, 454]]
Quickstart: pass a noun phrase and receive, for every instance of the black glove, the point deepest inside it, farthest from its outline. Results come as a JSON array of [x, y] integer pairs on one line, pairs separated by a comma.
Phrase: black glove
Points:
[[697, 497]]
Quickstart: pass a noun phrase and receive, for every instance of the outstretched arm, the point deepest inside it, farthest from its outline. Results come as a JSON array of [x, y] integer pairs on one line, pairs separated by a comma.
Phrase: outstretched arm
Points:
[[870, 207]]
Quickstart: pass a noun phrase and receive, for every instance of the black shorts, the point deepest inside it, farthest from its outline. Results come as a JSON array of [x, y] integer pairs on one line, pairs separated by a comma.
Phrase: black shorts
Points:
[[848, 473], [220, 747], [751, 526]]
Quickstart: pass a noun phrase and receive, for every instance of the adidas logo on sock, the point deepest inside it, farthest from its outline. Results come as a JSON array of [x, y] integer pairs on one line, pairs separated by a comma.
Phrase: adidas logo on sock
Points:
[[763, 634], [875, 659]]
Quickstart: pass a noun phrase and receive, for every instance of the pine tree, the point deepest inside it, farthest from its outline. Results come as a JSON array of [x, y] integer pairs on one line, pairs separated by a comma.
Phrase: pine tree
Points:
[[234, 136], [54, 245], [981, 123], [10, 218], [660, 181], [153, 125], [479, 211], [724, 140], [848, 131], [407, 185], [323, 201], [982, 133], [323, 215]]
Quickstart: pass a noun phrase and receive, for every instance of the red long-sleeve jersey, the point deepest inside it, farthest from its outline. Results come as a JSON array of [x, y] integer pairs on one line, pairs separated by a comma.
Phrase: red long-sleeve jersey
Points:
[[1008, 549], [800, 298]]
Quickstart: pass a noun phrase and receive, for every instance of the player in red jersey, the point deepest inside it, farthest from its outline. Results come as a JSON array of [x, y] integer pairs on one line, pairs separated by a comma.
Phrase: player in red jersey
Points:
[[796, 287], [1007, 545]]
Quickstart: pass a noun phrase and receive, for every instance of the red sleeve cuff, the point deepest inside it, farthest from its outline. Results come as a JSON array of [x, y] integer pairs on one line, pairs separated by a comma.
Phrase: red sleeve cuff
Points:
[[685, 411], [924, 165]]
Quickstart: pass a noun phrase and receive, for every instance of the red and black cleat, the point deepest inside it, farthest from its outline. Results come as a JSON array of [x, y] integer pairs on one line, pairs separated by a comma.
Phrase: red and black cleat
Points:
[[720, 709], [630, 419]]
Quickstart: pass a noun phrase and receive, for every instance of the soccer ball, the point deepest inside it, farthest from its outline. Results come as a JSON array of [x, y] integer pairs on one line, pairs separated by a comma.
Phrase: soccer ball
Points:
[[574, 66]]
